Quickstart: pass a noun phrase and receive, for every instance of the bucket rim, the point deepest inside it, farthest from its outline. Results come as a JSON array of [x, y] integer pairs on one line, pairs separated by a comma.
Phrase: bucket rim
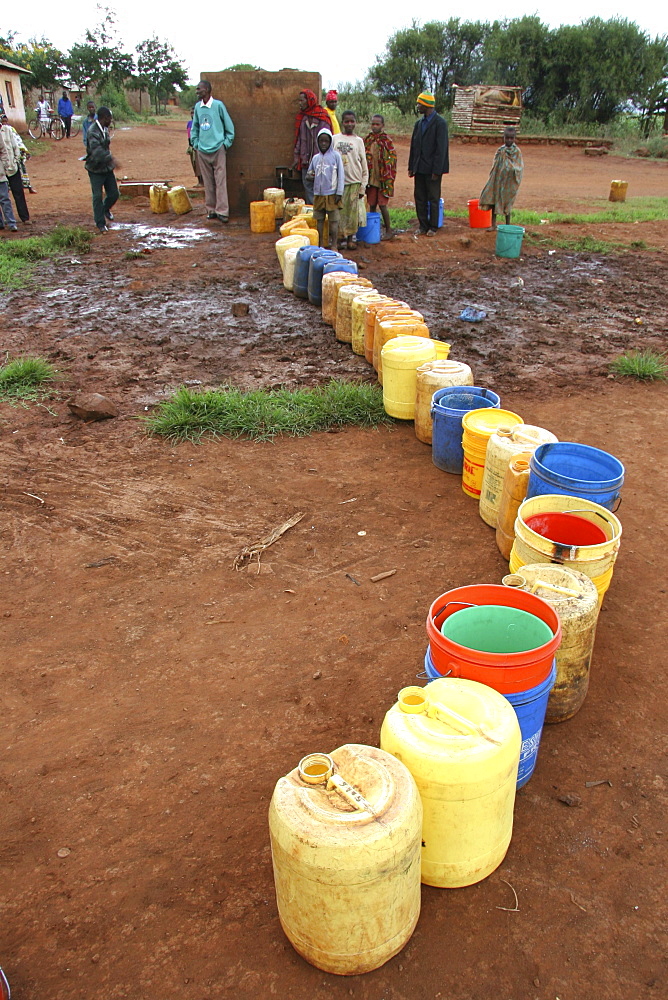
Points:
[[606, 515], [602, 485]]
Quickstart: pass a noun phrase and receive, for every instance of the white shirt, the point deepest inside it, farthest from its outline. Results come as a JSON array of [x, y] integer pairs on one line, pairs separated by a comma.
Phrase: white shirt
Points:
[[207, 104]]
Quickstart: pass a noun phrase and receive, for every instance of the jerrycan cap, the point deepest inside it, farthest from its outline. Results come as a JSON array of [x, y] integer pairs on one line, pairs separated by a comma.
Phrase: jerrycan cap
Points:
[[315, 768]]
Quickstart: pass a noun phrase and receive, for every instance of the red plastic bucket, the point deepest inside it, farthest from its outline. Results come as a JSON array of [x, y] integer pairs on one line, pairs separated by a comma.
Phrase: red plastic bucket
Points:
[[566, 529], [507, 673], [477, 218]]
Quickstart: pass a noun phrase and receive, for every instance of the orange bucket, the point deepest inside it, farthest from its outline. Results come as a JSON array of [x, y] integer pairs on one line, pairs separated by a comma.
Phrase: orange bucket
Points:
[[477, 218]]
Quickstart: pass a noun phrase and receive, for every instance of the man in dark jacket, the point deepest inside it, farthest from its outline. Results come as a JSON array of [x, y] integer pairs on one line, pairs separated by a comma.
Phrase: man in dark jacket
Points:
[[100, 166], [427, 162]]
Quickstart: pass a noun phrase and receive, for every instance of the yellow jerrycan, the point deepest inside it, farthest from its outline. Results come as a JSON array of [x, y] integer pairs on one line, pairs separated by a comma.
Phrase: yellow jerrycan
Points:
[[394, 316], [262, 217], [331, 283], [432, 376], [370, 322], [461, 742], [515, 485], [277, 197], [179, 201], [285, 242], [292, 207], [343, 328], [504, 443], [575, 599], [158, 197], [345, 835], [402, 356], [358, 309]]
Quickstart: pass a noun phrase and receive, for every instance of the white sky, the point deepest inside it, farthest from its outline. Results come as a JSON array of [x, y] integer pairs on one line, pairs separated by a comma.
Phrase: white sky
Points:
[[306, 36]]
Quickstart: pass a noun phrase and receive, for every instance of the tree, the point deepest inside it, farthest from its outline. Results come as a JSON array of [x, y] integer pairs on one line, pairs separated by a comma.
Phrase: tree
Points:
[[100, 57], [516, 55], [243, 67], [157, 64], [45, 62], [431, 57], [83, 65]]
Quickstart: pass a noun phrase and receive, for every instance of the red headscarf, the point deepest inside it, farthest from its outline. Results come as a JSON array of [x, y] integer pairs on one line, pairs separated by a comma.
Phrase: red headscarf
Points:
[[332, 95], [313, 110]]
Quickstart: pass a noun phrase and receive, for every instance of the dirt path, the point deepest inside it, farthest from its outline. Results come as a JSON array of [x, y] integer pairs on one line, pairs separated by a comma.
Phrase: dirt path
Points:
[[152, 695]]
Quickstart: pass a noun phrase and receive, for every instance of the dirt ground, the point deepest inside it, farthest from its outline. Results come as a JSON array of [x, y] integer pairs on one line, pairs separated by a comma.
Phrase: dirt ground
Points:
[[152, 695]]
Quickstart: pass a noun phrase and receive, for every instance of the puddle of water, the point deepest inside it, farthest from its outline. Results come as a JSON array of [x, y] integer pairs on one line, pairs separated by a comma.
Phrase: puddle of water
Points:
[[164, 236]]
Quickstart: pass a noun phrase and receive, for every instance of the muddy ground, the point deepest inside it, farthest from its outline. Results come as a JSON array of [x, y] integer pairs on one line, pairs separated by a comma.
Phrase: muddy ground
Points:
[[152, 695]]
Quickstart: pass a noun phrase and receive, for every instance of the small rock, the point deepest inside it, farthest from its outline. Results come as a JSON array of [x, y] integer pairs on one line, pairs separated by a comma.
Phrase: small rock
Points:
[[536, 981], [317, 675], [95, 959], [64, 852], [570, 799], [596, 151], [240, 309], [92, 406], [465, 241]]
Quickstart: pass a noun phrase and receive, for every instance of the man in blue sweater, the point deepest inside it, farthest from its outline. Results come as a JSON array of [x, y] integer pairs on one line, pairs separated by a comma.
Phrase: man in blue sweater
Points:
[[65, 110], [211, 135]]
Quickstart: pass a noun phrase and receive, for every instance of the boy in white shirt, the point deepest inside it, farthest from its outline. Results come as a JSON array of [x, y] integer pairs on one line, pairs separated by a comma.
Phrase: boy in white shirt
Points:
[[353, 153]]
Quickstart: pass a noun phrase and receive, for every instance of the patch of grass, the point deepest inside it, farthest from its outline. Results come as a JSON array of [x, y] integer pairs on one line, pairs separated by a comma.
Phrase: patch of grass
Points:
[[134, 255], [262, 415], [25, 380], [18, 257], [402, 218], [645, 365], [634, 210], [577, 244]]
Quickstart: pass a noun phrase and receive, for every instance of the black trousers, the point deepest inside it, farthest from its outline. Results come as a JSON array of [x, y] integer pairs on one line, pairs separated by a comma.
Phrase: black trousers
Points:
[[427, 192], [68, 124], [100, 206], [18, 191]]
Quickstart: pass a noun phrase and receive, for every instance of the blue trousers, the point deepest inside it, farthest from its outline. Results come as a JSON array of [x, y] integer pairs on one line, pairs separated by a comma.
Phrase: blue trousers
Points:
[[7, 217]]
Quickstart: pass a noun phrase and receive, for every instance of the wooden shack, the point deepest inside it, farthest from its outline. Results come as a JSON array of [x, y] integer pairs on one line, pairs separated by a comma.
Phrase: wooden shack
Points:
[[486, 109]]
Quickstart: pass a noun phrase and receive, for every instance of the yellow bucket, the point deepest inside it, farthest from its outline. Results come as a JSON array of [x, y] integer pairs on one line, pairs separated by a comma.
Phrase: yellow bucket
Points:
[[286, 242], [386, 320], [477, 428], [179, 201], [401, 358], [595, 561], [262, 217]]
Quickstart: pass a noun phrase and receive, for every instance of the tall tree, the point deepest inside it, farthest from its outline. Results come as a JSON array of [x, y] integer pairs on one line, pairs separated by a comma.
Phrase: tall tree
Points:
[[158, 65], [113, 65], [516, 55], [429, 57]]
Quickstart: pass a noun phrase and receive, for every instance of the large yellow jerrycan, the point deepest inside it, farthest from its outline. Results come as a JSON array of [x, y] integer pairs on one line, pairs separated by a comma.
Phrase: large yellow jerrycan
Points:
[[179, 201], [345, 841], [158, 197], [461, 742]]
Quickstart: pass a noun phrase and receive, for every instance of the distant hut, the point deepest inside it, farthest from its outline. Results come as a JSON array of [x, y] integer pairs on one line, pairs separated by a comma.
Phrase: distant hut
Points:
[[486, 109]]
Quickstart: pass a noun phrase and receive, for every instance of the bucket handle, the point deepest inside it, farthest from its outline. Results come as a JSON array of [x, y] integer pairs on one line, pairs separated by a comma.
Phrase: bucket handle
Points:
[[464, 604], [424, 676], [584, 510]]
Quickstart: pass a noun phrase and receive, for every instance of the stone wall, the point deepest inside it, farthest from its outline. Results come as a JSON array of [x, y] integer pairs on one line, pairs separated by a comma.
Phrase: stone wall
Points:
[[263, 108]]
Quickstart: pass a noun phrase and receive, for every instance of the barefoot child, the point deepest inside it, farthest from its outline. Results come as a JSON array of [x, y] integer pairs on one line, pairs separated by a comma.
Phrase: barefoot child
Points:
[[505, 176], [382, 162], [353, 155], [325, 172]]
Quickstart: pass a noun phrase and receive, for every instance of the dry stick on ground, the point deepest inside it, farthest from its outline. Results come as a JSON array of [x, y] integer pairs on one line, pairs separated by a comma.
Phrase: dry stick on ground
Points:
[[257, 548]]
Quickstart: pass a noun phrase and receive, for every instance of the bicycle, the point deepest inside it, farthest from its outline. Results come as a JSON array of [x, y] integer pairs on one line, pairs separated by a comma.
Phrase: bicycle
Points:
[[54, 127]]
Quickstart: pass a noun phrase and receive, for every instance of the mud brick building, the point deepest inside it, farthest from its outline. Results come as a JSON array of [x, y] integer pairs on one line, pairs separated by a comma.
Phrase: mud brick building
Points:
[[263, 108]]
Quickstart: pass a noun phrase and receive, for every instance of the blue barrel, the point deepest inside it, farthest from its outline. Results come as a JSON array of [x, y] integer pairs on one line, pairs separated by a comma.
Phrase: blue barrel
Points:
[[440, 213], [509, 241], [448, 406], [302, 263], [530, 708], [340, 265], [576, 470], [315, 271], [371, 232]]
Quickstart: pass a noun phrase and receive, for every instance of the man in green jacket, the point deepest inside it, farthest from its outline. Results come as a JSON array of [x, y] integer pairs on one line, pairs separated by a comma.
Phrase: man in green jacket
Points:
[[100, 166], [211, 135]]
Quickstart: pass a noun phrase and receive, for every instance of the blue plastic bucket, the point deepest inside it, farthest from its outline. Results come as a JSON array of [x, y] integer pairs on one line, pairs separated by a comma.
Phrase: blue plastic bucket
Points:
[[315, 272], [448, 406], [302, 264], [371, 232], [530, 708], [509, 241], [440, 213], [576, 470]]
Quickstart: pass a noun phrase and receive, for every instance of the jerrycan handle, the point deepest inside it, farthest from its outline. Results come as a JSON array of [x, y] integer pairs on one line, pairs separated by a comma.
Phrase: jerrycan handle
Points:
[[414, 701], [318, 769]]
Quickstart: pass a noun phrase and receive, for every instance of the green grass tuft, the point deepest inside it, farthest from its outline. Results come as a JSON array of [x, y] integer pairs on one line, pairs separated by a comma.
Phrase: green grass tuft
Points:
[[578, 244], [645, 365], [26, 380], [262, 414], [19, 256]]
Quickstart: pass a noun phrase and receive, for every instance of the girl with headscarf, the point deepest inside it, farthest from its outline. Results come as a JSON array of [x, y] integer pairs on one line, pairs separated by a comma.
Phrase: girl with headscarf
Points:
[[325, 172], [381, 158], [310, 118]]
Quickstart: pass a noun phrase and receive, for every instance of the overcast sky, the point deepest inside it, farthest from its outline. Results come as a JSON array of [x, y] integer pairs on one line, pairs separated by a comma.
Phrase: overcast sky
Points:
[[306, 36]]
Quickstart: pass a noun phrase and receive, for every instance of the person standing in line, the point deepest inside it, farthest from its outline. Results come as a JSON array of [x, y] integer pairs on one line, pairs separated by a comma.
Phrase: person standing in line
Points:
[[505, 177], [356, 172], [15, 147], [427, 162], [65, 110], [382, 162], [88, 120], [310, 119], [331, 101], [100, 165], [6, 212], [212, 134], [328, 179]]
